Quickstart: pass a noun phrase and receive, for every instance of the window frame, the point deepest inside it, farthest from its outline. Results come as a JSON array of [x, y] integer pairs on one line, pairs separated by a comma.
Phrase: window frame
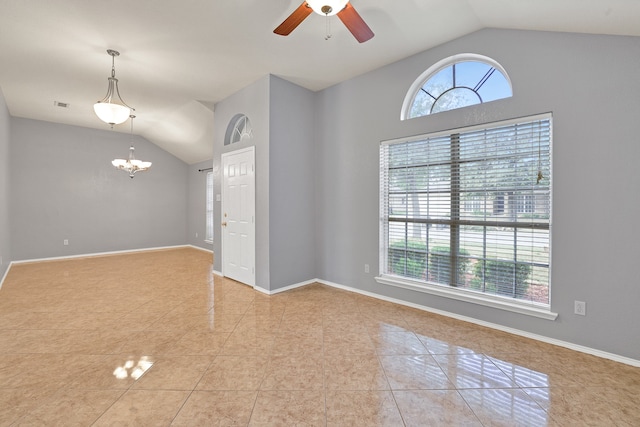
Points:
[[209, 207], [477, 297], [416, 86]]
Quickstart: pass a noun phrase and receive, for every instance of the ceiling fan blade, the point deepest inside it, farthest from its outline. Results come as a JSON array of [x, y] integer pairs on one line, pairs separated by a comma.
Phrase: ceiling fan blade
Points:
[[294, 19], [354, 23]]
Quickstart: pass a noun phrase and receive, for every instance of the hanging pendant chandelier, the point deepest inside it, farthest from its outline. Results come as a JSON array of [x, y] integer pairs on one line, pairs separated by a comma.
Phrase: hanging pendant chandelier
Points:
[[131, 165], [112, 109]]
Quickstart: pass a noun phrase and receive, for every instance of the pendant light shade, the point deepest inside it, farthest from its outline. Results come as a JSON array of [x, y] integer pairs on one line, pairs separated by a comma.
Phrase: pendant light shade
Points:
[[111, 113], [112, 109]]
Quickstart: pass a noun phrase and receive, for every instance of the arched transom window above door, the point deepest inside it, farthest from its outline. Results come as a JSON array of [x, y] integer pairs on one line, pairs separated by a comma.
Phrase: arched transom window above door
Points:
[[239, 129], [456, 82]]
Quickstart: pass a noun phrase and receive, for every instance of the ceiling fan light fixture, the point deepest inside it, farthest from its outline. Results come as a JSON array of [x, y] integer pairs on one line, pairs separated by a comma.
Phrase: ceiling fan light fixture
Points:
[[112, 109], [327, 7], [342, 8]]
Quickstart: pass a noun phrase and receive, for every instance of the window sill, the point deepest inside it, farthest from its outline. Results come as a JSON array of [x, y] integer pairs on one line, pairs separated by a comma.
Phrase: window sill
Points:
[[469, 296]]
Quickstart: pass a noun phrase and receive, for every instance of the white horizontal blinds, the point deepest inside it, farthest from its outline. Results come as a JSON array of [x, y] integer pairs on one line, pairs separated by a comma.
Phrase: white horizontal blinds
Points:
[[209, 213], [505, 210], [417, 201], [499, 172], [476, 203]]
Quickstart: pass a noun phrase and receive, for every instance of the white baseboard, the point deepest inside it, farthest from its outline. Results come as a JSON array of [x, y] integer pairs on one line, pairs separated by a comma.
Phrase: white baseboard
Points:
[[286, 288], [542, 338], [95, 254], [4, 276], [201, 249]]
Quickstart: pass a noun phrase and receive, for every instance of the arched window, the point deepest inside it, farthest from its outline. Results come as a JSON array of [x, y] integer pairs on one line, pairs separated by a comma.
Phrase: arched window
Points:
[[456, 82], [239, 129]]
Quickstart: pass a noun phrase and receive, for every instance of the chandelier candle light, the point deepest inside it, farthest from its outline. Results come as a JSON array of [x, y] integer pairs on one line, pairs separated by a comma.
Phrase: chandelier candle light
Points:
[[131, 165], [111, 110]]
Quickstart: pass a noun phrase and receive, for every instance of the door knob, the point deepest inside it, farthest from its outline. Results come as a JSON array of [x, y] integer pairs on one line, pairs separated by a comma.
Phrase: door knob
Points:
[[224, 224]]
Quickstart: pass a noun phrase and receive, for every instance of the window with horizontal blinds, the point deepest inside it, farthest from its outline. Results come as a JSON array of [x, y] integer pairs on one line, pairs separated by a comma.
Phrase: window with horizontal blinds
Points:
[[470, 209], [209, 212]]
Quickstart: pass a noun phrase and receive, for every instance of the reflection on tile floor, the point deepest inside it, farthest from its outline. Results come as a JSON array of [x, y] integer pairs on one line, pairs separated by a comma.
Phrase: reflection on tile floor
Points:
[[155, 339]]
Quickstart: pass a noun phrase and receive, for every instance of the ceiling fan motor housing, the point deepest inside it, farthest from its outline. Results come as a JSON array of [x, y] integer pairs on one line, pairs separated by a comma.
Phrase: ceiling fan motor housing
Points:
[[345, 11], [327, 7]]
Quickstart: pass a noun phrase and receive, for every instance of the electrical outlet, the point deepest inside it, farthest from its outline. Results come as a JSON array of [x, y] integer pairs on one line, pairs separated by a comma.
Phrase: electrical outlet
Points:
[[580, 308], [196, 235], [366, 268], [65, 242]]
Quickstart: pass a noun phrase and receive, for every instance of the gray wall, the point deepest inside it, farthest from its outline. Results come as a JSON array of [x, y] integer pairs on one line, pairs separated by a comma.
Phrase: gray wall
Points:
[[291, 184], [5, 247], [589, 83], [252, 101], [282, 119], [63, 186], [197, 206]]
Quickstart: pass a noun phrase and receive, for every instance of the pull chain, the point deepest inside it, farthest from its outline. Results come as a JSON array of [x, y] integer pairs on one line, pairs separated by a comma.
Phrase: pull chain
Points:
[[328, 28]]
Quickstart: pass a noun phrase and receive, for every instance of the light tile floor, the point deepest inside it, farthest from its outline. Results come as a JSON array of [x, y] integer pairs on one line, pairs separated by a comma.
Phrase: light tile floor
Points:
[[155, 339]]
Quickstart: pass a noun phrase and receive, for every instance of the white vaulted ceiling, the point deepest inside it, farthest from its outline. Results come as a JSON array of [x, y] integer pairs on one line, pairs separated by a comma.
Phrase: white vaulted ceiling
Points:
[[178, 58]]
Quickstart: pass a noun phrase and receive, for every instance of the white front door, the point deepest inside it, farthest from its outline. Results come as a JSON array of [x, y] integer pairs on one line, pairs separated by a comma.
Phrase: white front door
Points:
[[238, 215]]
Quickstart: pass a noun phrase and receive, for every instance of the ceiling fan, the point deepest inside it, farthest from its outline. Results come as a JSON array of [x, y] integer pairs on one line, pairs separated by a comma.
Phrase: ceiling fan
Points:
[[343, 8]]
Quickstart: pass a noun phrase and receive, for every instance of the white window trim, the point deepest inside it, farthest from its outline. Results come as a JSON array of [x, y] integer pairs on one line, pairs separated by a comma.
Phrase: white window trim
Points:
[[440, 65], [209, 195], [470, 296]]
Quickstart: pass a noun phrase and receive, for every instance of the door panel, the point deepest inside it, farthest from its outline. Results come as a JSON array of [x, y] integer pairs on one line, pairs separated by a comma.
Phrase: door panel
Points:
[[238, 216]]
